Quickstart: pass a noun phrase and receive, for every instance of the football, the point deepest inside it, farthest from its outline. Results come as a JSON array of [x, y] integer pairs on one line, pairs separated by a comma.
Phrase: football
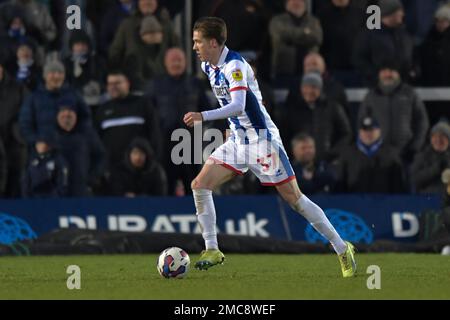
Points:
[[173, 263]]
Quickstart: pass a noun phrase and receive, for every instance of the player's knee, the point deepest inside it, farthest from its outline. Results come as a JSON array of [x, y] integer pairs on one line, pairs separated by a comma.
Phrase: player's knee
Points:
[[198, 183]]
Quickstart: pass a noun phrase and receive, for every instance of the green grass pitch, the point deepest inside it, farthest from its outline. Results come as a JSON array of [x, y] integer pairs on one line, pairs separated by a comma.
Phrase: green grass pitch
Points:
[[403, 276]]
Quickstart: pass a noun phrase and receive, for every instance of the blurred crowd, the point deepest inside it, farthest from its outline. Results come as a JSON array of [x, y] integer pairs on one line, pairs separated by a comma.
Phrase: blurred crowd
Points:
[[91, 112]]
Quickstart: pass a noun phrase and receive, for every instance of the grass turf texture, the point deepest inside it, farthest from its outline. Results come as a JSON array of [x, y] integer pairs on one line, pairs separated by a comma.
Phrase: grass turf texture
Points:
[[403, 276]]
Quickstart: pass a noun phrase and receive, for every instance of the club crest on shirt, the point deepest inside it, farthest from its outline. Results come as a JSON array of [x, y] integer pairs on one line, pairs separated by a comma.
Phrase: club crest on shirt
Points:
[[237, 75]]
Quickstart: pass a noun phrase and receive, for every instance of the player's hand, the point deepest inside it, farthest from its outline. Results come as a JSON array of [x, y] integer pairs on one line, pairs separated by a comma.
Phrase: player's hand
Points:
[[192, 118]]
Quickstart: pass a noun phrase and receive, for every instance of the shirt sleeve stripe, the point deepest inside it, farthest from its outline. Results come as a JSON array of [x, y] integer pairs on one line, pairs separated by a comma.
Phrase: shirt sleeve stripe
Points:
[[238, 88]]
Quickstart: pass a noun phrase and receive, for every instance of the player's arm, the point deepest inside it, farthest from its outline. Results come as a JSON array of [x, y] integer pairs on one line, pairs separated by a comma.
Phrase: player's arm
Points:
[[236, 76]]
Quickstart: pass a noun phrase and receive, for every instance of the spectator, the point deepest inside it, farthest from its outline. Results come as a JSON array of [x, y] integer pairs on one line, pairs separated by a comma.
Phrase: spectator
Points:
[[313, 113], [14, 149], [110, 22], [84, 70], [147, 59], [370, 166], [83, 151], [15, 35], [314, 176], [293, 34], [38, 112], [127, 36], [391, 42], [446, 181], [36, 16], [331, 87], [402, 115], [429, 164], [173, 95], [64, 35], [341, 20], [139, 174], [25, 69], [124, 118], [435, 51], [47, 172]]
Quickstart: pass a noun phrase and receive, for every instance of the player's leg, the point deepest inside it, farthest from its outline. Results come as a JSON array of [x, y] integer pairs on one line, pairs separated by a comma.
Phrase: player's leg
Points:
[[316, 217], [210, 177], [291, 193]]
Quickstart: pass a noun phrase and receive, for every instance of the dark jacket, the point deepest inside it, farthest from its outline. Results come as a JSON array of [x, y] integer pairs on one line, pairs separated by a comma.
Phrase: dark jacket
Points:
[[402, 116], [323, 179], [292, 38], [141, 120], [374, 47], [340, 26], [46, 176], [427, 168], [435, 62], [381, 173], [147, 181], [86, 159], [327, 122], [110, 23], [39, 111], [125, 43]]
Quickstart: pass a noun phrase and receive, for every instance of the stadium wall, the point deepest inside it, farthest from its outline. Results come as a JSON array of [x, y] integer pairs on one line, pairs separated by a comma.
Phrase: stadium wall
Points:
[[359, 218]]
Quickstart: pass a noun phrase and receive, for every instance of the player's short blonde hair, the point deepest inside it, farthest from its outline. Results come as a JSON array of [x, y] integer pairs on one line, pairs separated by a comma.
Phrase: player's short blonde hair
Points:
[[212, 28]]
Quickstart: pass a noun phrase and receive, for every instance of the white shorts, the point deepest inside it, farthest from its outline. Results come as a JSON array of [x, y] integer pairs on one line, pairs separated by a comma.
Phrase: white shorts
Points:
[[266, 159]]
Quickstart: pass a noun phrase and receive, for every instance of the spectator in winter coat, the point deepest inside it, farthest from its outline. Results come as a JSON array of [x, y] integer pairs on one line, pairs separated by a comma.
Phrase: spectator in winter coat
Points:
[[127, 37], [401, 113], [47, 173], [36, 16], [435, 51], [25, 70], [314, 176], [83, 151], [314, 114], [429, 164], [38, 112], [332, 89], [111, 21], [391, 42], [147, 59], [293, 34], [370, 166], [85, 71], [14, 148], [124, 118], [139, 174]]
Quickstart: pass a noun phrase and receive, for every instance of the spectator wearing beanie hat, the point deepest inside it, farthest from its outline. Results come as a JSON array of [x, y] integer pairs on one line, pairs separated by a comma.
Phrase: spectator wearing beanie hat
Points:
[[127, 40], [85, 71], [435, 51], [147, 60], [314, 114], [38, 112], [391, 42], [429, 164]]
